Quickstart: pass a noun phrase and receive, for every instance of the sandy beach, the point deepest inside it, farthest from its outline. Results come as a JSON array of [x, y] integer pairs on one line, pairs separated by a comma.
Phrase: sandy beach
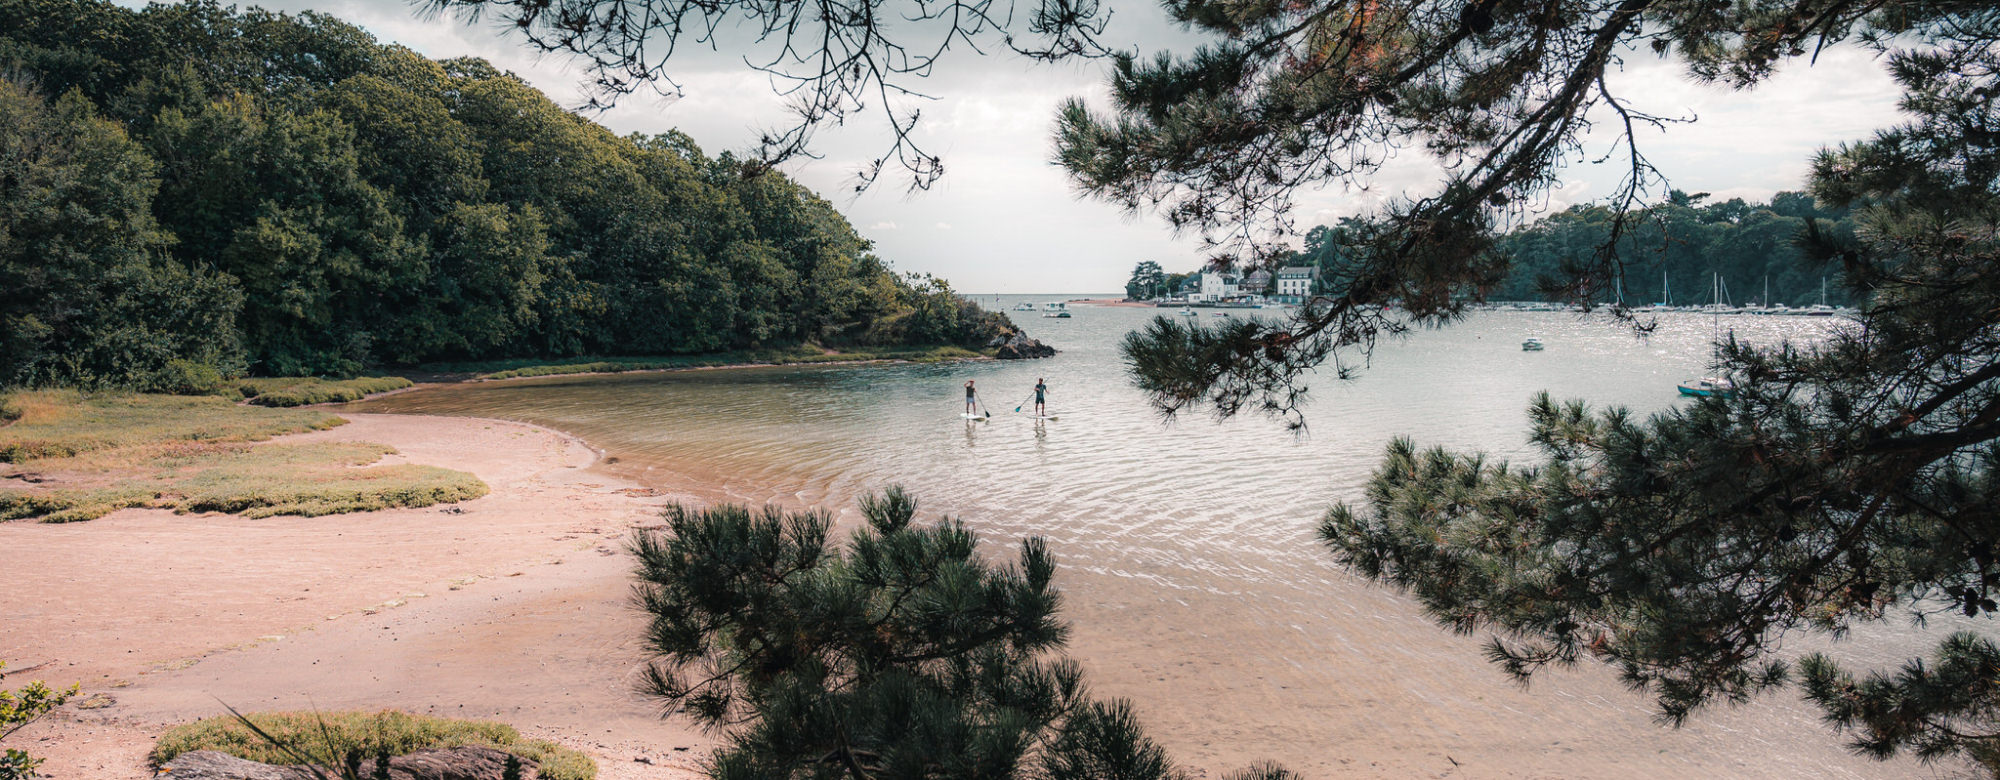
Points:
[[512, 607]]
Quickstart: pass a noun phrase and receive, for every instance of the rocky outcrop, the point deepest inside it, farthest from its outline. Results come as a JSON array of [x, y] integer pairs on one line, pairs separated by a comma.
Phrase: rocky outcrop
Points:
[[459, 763], [1017, 346], [211, 765]]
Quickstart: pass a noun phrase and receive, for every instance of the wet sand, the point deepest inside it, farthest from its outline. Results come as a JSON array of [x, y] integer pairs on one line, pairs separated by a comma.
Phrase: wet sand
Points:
[[511, 607]]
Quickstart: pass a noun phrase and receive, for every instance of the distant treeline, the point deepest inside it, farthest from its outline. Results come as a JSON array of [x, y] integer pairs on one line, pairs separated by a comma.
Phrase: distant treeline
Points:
[[189, 191], [1688, 238]]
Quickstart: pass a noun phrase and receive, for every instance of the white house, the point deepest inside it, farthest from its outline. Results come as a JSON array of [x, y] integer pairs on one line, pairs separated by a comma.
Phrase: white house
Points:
[[1216, 286], [1295, 283]]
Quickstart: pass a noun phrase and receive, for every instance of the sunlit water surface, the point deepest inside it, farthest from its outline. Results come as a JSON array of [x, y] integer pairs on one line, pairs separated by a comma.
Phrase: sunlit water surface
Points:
[[1193, 574]]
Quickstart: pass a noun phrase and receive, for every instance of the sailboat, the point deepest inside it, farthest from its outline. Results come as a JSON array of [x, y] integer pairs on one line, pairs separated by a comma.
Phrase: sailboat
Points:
[[1712, 386], [1820, 309], [1666, 302]]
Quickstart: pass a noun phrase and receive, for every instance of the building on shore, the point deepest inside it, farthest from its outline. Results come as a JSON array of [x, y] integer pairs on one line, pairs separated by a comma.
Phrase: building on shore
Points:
[[1296, 283], [1257, 282], [1216, 287]]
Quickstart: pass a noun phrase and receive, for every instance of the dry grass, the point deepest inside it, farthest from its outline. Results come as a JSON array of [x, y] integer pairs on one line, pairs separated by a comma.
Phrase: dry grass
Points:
[[63, 423], [305, 391], [331, 736], [81, 457]]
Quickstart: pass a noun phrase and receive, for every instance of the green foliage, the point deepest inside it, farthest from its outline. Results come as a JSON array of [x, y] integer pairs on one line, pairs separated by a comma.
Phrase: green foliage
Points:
[[62, 423], [1148, 282], [215, 192], [307, 391], [85, 297], [330, 737], [1934, 710], [1749, 245], [18, 708], [903, 656]]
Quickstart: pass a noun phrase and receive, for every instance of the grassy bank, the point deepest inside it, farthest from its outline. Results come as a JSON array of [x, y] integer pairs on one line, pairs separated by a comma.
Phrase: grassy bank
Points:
[[331, 736], [64, 423], [514, 369], [306, 391], [79, 457]]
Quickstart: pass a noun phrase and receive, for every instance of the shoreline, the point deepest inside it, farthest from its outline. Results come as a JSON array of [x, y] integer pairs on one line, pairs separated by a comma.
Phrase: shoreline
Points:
[[671, 369]]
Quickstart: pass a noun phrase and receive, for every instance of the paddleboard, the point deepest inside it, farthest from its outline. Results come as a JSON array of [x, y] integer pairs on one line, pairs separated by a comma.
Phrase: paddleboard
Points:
[[1045, 417], [973, 416]]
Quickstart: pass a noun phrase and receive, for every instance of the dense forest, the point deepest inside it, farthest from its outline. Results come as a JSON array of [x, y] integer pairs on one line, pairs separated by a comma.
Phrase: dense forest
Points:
[[1687, 238], [192, 191]]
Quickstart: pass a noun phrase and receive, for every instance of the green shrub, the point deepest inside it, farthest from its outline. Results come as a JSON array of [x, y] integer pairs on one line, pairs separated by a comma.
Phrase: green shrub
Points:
[[19, 708], [186, 377], [334, 735]]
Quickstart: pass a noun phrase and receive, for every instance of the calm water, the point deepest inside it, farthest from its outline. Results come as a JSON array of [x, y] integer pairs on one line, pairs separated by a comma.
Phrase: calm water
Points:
[[1189, 557]]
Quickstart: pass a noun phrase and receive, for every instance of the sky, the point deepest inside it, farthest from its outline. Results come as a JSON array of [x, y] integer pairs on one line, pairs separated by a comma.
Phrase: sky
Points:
[[1005, 220]]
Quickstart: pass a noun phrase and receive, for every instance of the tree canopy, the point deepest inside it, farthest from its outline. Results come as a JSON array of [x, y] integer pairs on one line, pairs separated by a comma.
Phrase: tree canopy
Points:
[[1669, 248], [191, 190]]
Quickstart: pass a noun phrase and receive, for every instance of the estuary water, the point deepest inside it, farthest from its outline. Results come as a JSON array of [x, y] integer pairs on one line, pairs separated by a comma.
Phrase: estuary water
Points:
[[1190, 566]]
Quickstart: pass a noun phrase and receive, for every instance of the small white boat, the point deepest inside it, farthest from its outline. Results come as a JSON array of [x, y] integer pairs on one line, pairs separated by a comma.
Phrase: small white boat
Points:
[[1531, 344], [1024, 306], [1057, 310], [1187, 312], [1708, 387]]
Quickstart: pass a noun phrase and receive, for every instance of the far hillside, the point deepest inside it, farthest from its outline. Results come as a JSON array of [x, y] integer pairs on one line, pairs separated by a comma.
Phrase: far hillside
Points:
[[190, 192]]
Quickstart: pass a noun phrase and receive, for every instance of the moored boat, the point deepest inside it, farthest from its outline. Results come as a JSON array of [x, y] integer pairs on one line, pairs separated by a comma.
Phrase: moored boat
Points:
[[1707, 387]]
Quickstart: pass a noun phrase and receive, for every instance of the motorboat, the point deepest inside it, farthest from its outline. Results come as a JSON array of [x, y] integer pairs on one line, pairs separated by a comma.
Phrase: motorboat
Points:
[[1532, 344], [1708, 387]]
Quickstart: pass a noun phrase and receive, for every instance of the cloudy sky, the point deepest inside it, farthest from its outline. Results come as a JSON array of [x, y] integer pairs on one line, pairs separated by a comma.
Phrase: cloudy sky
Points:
[[1004, 220]]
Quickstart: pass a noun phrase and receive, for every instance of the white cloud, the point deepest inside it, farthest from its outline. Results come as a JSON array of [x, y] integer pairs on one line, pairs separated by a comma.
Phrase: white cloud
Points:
[[944, 225], [883, 225]]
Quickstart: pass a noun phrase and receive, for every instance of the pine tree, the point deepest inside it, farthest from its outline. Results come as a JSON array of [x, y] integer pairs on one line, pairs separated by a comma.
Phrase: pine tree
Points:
[[904, 655]]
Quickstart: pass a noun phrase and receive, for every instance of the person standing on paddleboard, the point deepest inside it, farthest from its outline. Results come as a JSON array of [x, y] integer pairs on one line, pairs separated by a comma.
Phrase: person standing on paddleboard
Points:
[[971, 406], [1041, 390]]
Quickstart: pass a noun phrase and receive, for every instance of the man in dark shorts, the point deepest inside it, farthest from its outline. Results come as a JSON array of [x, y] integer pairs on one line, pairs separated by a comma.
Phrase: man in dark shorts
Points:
[[970, 405], [1041, 390]]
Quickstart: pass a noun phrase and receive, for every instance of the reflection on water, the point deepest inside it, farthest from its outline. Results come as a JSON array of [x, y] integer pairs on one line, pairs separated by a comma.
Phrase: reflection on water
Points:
[[1187, 545]]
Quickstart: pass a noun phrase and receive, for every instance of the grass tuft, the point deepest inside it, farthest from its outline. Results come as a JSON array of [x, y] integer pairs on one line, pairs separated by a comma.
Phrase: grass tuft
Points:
[[791, 356], [306, 391], [308, 480], [65, 423], [330, 736], [80, 457]]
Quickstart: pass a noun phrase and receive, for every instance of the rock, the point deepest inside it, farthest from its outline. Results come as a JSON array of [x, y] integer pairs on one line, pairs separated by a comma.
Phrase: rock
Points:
[[459, 763], [1017, 346], [211, 765]]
